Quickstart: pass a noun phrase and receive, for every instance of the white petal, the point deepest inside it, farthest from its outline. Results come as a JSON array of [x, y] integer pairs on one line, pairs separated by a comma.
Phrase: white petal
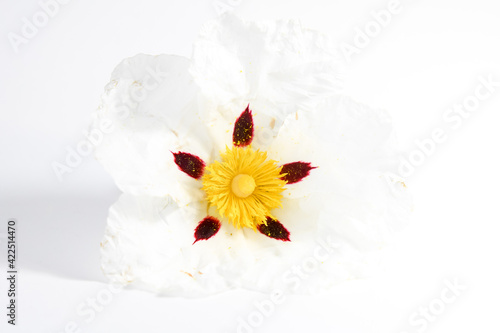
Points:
[[277, 67], [149, 244], [152, 103], [341, 137], [354, 149]]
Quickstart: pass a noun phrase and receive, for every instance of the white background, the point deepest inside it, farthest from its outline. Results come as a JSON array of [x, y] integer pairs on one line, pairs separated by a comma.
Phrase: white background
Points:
[[426, 60]]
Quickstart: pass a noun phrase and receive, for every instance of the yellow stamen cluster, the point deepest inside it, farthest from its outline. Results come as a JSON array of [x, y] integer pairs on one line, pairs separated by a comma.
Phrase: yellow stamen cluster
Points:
[[245, 186]]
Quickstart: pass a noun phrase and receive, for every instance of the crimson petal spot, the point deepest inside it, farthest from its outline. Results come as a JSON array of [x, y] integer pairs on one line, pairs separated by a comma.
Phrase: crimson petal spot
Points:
[[243, 129], [296, 171], [274, 229], [190, 164], [207, 228]]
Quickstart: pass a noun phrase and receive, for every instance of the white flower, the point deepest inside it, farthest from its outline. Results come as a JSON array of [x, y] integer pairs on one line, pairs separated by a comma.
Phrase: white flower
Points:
[[338, 216]]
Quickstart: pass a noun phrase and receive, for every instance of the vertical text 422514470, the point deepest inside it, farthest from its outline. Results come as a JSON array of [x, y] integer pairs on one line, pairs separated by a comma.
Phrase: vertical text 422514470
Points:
[[11, 272]]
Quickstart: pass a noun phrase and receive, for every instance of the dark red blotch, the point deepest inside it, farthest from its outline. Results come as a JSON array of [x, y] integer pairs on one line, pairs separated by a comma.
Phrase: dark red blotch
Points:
[[190, 164], [243, 129], [207, 228], [296, 171], [274, 229]]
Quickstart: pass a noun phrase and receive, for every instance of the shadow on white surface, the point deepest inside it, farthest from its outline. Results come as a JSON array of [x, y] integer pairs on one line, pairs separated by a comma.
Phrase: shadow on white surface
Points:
[[60, 235]]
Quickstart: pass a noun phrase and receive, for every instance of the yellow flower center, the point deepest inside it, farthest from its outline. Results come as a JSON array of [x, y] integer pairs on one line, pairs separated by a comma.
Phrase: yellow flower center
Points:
[[244, 186]]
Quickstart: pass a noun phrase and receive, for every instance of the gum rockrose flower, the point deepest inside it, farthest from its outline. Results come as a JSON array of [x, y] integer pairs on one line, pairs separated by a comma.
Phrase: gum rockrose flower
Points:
[[244, 167]]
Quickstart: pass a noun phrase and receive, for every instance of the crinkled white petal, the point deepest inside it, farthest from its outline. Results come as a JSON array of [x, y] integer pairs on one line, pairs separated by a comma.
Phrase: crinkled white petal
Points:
[[154, 107], [340, 136], [355, 152], [277, 67]]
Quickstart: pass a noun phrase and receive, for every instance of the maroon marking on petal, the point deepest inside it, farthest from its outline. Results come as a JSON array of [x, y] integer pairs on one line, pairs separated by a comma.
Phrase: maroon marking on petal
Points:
[[207, 228], [243, 129], [296, 171], [190, 164], [274, 229]]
